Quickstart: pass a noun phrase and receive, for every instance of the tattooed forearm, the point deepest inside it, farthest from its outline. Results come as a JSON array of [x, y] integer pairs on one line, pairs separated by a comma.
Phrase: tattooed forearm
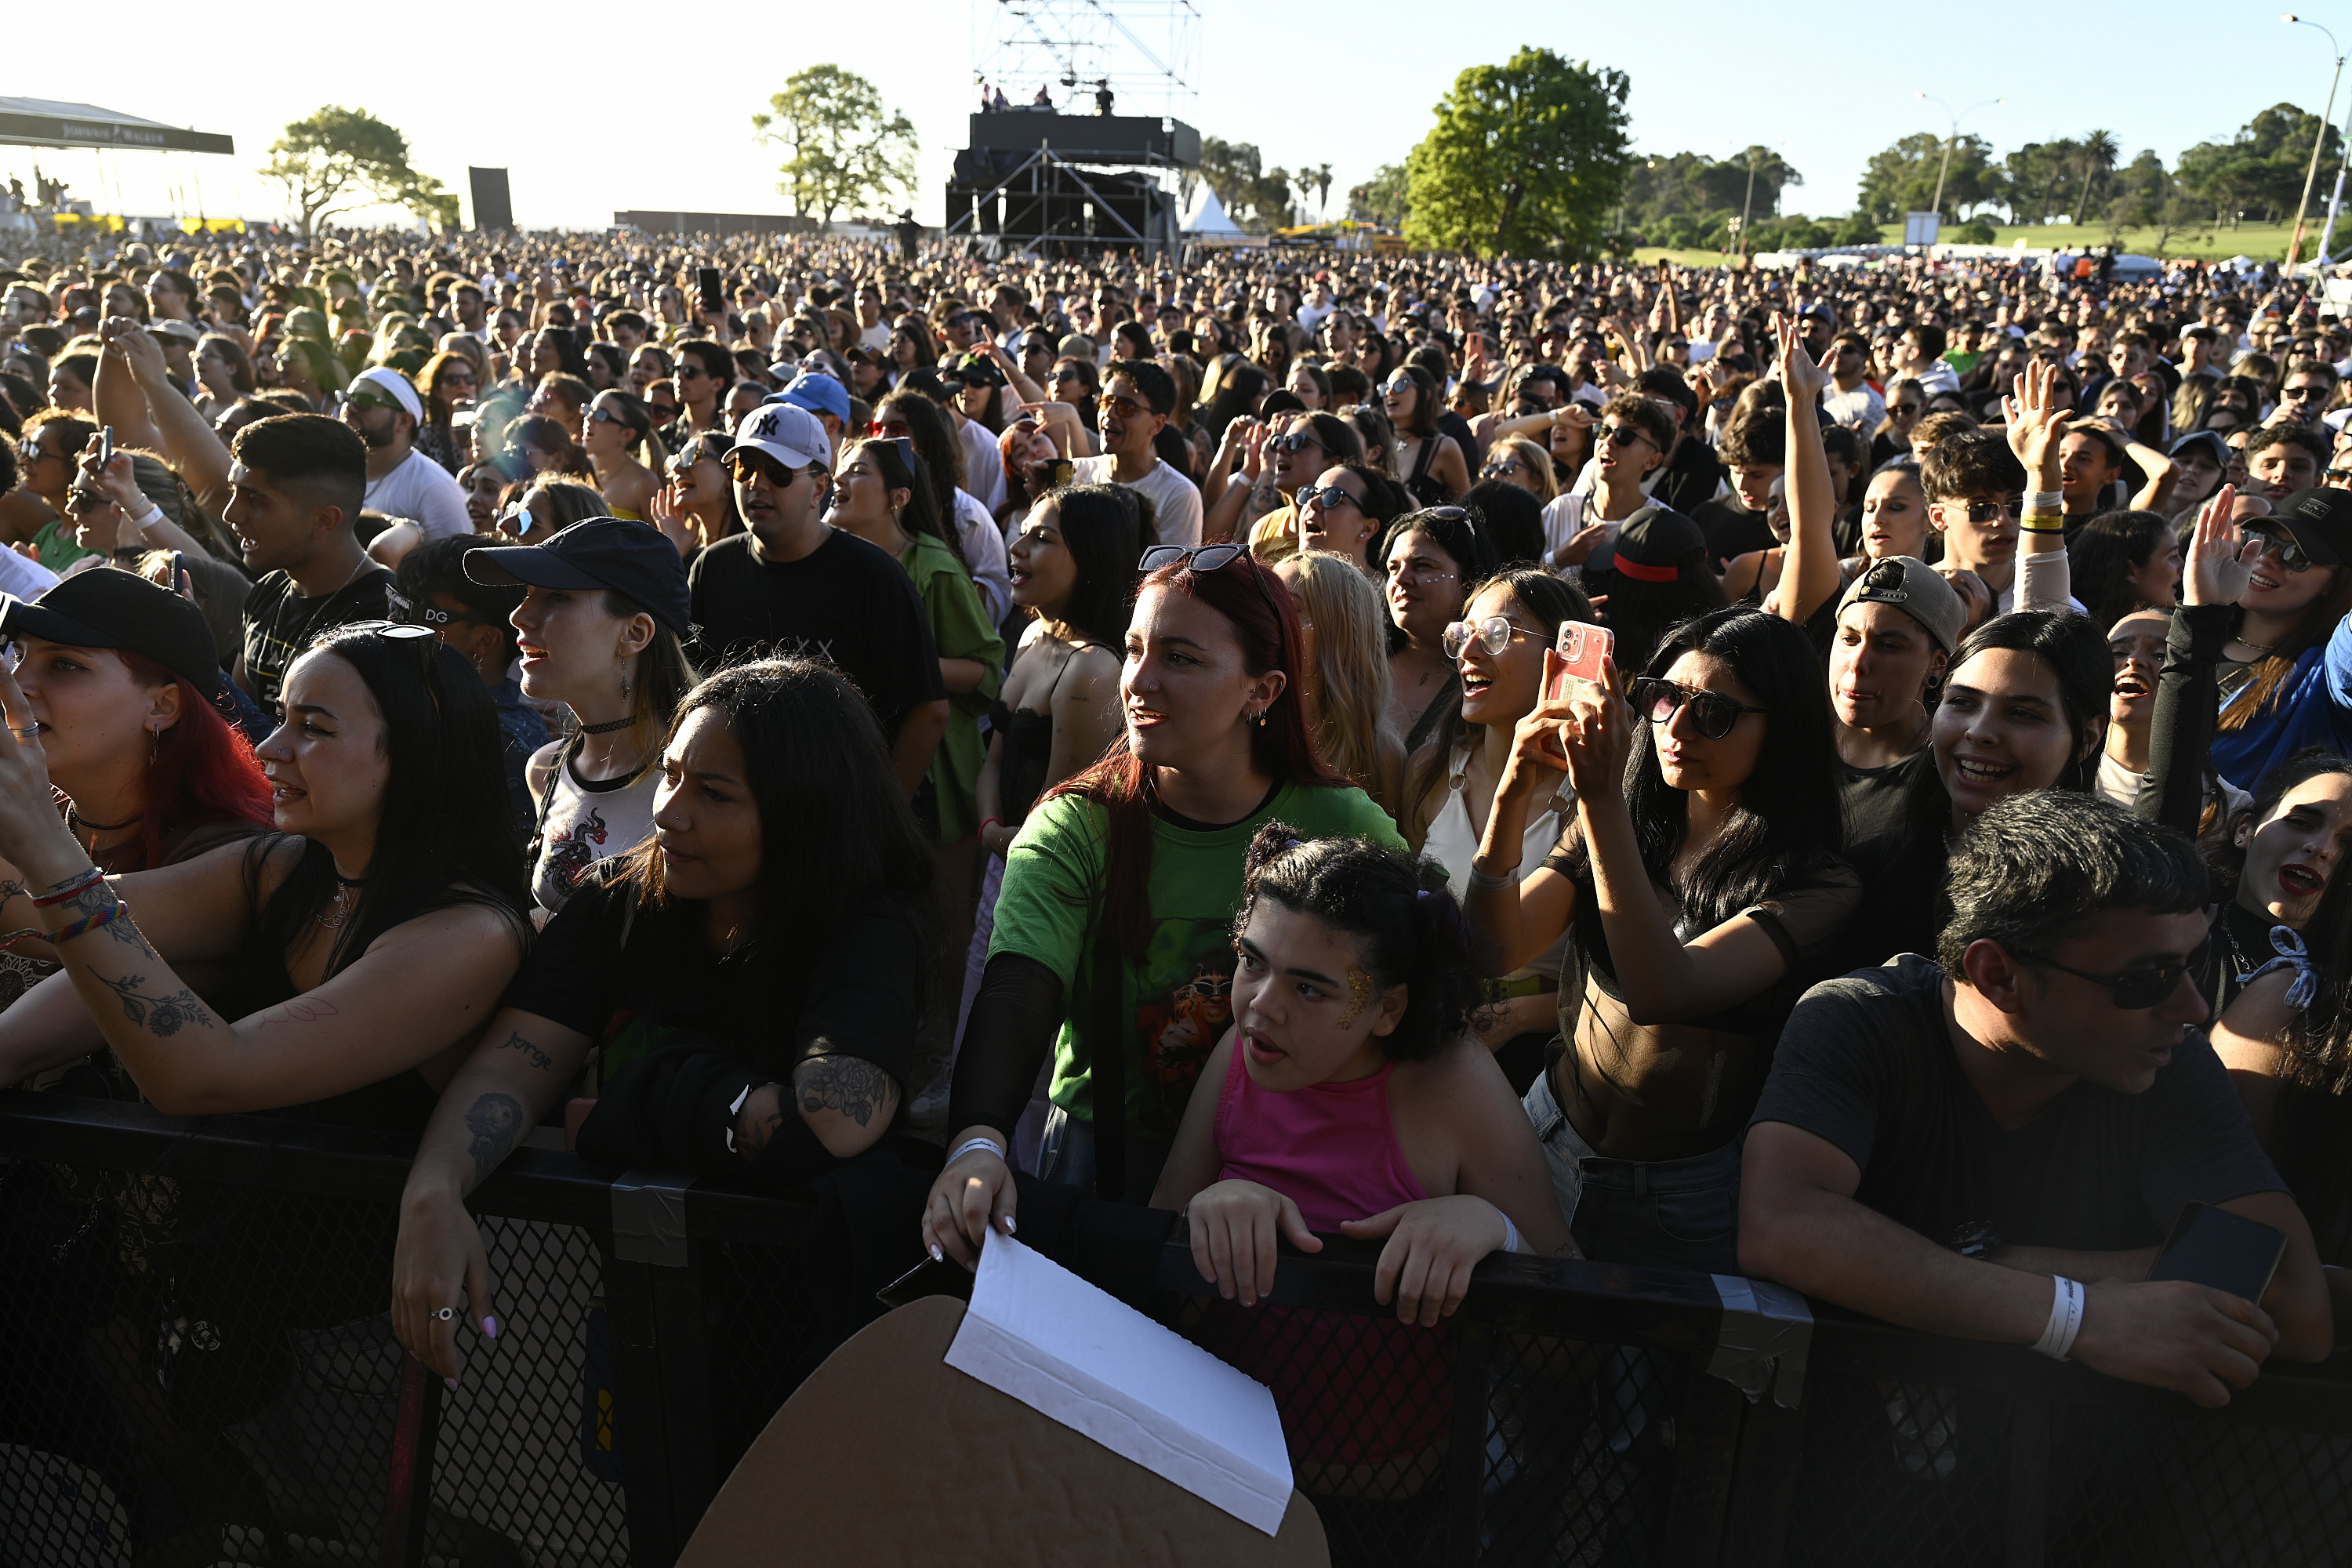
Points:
[[165, 1015], [495, 1122], [96, 899], [530, 1053], [853, 1088]]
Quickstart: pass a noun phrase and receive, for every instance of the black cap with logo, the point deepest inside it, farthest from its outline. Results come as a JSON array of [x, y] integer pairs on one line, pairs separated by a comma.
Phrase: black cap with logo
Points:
[[108, 607]]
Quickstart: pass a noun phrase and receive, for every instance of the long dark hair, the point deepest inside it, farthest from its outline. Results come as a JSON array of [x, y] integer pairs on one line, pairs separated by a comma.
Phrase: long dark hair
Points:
[[1458, 531], [446, 832], [922, 510], [1106, 529], [2271, 671], [835, 830], [2229, 862], [1789, 815], [1426, 406], [2101, 558], [1265, 622], [2076, 653]]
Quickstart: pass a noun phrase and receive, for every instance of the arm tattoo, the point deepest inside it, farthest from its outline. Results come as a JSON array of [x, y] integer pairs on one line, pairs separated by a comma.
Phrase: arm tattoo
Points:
[[530, 1053], [495, 1120], [96, 899], [166, 1014], [301, 1010], [853, 1087]]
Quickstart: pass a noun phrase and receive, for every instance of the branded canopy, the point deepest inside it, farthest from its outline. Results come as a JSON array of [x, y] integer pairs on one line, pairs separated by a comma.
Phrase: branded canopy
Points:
[[44, 123]]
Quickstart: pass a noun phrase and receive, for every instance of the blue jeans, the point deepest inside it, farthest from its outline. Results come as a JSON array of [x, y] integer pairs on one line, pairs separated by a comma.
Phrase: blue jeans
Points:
[[1665, 1214]]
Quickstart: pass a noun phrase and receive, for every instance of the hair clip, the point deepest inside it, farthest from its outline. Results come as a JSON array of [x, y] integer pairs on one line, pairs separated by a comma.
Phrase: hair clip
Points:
[[1419, 894]]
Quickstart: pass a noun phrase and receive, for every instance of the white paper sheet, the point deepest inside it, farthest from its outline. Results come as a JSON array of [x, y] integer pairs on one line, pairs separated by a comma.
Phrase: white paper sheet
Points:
[[1066, 1350]]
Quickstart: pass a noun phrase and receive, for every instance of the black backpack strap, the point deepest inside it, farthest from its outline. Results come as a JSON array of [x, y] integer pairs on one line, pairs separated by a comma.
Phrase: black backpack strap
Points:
[[1107, 1074]]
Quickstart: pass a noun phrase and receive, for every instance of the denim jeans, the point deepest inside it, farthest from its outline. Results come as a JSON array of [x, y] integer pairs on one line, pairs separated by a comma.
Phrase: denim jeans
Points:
[[1666, 1214]]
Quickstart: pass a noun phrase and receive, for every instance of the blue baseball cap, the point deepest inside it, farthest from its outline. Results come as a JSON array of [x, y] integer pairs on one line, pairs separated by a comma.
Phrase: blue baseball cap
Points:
[[818, 394]]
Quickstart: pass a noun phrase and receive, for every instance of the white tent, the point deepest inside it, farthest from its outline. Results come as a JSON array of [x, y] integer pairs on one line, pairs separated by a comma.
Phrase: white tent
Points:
[[1208, 223]]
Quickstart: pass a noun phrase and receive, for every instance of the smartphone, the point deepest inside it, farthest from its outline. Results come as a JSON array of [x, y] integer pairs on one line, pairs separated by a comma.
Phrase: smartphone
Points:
[[1582, 646], [105, 447], [706, 284], [2212, 1246]]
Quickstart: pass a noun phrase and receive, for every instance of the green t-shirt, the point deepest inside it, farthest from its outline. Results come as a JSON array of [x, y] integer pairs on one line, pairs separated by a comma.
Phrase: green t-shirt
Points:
[[54, 544], [1180, 998], [960, 627]]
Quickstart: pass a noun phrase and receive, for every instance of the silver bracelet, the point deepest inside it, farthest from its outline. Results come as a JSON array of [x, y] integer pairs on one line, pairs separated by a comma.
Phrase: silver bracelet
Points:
[[1491, 884], [969, 1144]]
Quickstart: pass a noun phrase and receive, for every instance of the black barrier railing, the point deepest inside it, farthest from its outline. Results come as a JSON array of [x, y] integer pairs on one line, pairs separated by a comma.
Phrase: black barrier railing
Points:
[[194, 1368]]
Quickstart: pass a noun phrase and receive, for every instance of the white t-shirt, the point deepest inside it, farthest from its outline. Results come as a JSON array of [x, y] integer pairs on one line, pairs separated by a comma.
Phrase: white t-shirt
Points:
[[1861, 409], [983, 549], [983, 466], [1175, 500], [422, 492], [580, 823]]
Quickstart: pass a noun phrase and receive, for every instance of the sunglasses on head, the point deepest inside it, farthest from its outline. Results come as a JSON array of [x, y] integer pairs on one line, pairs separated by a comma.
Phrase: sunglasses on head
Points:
[[1492, 633], [1204, 558], [407, 612], [2291, 554], [1656, 698], [2140, 987]]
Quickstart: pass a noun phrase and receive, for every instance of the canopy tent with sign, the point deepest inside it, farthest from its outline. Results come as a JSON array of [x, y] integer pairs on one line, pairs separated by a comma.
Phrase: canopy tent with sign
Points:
[[43, 123]]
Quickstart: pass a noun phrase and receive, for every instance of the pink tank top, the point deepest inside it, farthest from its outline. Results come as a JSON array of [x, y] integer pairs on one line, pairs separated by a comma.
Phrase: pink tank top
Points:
[[1330, 1148]]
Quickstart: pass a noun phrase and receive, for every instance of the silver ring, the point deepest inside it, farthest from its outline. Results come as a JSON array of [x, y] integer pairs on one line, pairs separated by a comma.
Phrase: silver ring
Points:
[[444, 1315], [27, 733]]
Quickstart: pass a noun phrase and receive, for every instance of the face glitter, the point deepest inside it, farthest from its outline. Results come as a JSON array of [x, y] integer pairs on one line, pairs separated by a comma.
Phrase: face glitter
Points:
[[1360, 995]]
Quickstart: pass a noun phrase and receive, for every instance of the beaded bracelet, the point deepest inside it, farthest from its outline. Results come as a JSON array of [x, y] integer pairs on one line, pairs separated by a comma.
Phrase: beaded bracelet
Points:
[[81, 886]]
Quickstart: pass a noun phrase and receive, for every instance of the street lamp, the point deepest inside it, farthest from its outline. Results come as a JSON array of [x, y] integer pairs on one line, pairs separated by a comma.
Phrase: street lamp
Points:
[[2319, 137], [1938, 205]]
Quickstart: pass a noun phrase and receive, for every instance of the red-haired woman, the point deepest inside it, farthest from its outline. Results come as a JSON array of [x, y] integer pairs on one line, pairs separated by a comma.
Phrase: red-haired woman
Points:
[[120, 676], [1114, 927]]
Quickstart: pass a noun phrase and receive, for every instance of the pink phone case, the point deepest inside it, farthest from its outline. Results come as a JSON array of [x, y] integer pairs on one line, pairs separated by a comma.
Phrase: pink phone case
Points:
[[1581, 647]]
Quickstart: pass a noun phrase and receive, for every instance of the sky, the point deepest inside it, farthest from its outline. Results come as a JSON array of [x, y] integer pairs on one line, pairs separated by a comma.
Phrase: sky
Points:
[[644, 121]]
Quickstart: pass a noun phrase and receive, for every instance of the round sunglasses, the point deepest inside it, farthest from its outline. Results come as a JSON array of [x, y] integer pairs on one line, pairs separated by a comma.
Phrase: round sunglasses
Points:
[[1656, 698]]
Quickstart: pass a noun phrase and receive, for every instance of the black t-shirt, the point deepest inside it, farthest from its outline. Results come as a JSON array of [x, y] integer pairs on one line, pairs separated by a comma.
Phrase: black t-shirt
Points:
[[648, 983], [1731, 530], [1866, 1063], [1690, 478], [1876, 798], [281, 623], [846, 601]]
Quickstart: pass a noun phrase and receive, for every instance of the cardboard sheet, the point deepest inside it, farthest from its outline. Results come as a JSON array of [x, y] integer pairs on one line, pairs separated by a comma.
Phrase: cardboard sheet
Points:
[[1068, 1350]]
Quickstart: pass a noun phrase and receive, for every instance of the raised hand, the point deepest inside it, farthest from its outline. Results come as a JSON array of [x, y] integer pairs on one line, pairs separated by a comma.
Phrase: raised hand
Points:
[[2036, 421], [1803, 379], [2220, 559]]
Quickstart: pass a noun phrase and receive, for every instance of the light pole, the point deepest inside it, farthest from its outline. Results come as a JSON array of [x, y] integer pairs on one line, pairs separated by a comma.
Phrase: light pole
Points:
[[1938, 205], [1747, 202], [2318, 138]]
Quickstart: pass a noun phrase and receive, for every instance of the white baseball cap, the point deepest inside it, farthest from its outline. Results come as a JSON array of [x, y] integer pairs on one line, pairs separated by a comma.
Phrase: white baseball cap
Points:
[[791, 435]]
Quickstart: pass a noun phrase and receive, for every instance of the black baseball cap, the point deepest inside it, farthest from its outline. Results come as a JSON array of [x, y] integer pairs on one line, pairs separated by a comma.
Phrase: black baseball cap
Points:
[[2320, 520], [108, 607], [1657, 544], [629, 558]]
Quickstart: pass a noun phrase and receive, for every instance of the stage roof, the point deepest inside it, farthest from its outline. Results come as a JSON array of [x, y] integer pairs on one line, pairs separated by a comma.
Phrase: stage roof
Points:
[[42, 123]]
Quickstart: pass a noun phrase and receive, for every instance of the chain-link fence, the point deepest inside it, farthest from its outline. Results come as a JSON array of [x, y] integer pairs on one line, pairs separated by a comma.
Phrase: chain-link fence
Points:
[[196, 1369]]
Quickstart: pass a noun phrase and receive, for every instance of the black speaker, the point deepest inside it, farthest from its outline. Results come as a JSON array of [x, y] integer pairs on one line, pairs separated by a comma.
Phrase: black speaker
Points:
[[493, 208]]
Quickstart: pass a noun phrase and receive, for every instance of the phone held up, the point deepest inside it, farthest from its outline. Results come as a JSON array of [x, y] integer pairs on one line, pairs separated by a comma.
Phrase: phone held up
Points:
[[705, 286], [1581, 647]]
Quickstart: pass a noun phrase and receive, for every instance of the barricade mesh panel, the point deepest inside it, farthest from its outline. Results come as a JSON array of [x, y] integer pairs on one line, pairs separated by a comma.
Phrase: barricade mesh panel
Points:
[[196, 1372], [1897, 1472], [1579, 1453], [764, 1336]]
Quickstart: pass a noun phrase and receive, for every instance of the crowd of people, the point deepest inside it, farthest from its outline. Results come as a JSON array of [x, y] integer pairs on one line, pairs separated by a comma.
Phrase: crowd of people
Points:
[[1836, 775]]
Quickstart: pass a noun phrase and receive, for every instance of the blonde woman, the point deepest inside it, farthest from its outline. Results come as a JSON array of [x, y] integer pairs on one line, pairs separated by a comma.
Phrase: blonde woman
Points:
[[1347, 669], [1516, 460]]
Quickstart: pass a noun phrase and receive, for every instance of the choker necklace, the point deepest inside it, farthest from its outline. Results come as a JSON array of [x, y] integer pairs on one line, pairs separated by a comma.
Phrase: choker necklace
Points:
[[608, 726], [79, 820]]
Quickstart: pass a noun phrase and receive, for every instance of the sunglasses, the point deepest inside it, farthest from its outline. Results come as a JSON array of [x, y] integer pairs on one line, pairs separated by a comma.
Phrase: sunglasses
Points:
[[1619, 435], [602, 416], [1656, 698], [1988, 510], [1124, 407], [1297, 441], [84, 500], [2339, 476], [1205, 558], [1062, 375], [2290, 555], [2140, 987], [1499, 470], [889, 428], [1492, 633], [1329, 495], [369, 400], [742, 459]]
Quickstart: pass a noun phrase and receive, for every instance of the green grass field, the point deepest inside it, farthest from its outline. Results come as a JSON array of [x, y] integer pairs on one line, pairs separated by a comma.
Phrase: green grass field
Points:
[[2263, 241]]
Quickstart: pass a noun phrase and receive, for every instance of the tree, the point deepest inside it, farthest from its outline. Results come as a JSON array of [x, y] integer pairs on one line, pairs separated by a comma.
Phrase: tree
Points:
[[1383, 198], [1696, 187], [1256, 197], [1526, 159], [2099, 153], [340, 159], [1319, 177], [1902, 178], [2260, 170], [842, 148]]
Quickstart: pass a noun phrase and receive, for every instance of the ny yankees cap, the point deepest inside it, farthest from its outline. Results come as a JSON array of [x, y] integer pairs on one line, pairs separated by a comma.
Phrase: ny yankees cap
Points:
[[790, 434]]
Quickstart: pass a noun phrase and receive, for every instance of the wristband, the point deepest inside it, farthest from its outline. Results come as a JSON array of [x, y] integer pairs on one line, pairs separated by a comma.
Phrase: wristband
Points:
[[2065, 1319], [2045, 500], [155, 514], [1510, 1234], [81, 884], [88, 924], [2029, 528], [1480, 879], [969, 1144]]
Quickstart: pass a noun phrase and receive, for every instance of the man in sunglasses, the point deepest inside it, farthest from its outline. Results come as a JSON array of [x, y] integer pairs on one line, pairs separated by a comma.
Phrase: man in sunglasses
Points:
[[1992, 1145], [384, 410], [791, 584], [1134, 409]]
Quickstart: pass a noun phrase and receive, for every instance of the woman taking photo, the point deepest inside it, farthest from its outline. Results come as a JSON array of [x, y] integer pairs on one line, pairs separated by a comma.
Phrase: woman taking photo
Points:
[[1701, 896], [1346, 511], [1114, 927], [1500, 643], [449, 382], [1431, 466], [1432, 557], [224, 375], [1344, 666], [615, 433], [758, 954], [604, 611], [367, 940]]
